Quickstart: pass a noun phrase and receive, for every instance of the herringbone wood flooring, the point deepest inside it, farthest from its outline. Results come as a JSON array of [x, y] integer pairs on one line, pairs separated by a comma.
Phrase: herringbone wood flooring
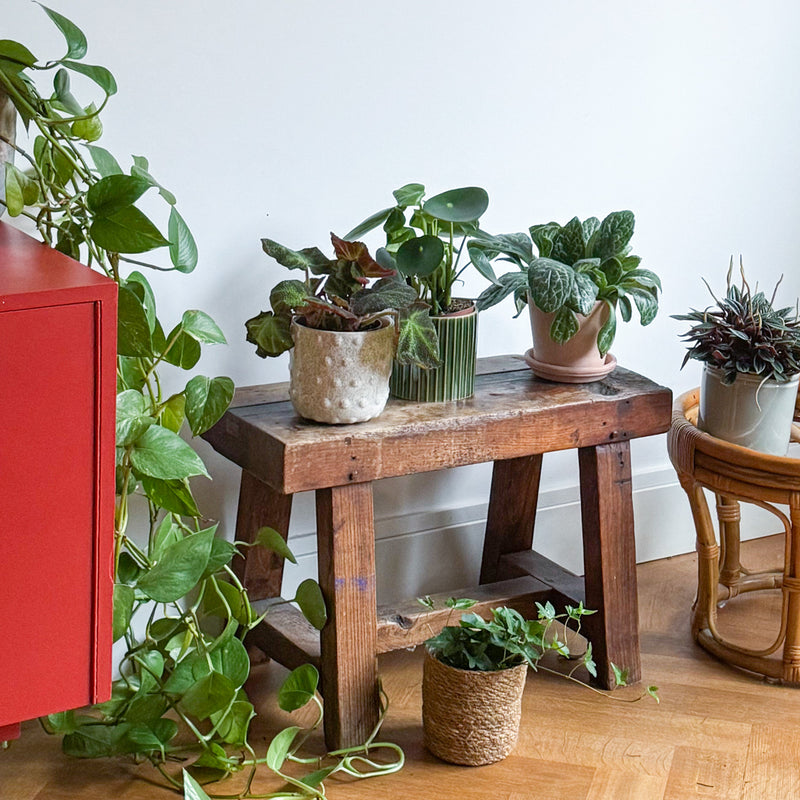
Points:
[[716, 734]]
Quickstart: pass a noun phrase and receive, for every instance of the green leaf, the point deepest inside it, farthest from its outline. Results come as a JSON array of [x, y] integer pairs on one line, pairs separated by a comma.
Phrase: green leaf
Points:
[[568, 243], [550, 283], [458, 205], [64, 95], [417, 342], [89, 741], [179, 568], [506, 284], [543, 235], [133, 330], [21, 190], [184, 350], [613, 235], [232, 727], [123, 609], [173, 412], [115, 193], [224, 600], [279, 748], [298, 688], [192, 789], [387, 293], [132, 417], [126, 231], [106, 163], [182, 248], [76, 41], [409, 195], [171, 495], [207, 399], [620, 675], [310, 258], [201, 327], [89, 129], [606, 336], [565, 325], [311, 602], [272, 540], [584, 293], [141, 169], [460, 603], [420, 257], [166, 534], [222, 552], [232, 661], [100, 75], [314, 779], [647, 303], [61, 723], [269, 333], [16, 52], [366, 226], [287, 296], [481, 262], [160, 453], [212, 693]]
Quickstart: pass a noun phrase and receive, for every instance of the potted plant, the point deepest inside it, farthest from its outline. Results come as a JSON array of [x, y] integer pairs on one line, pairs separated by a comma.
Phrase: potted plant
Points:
[[751, 356], [425, 240], [474, 676], [583, 272], [342, 332]]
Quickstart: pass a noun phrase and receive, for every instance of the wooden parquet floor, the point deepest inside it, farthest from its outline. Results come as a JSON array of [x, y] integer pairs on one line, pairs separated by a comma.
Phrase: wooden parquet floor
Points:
[[716, 734]]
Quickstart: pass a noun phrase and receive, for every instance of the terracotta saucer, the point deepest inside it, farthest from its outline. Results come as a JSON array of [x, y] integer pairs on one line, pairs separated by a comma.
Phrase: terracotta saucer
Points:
[[554, 372]]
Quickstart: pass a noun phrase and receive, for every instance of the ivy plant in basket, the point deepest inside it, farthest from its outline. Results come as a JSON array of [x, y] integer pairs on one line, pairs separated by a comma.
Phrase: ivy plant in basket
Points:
[[474, 676], [180, 613], [342, 331], [584, 272], [426, 241], [751, 355]]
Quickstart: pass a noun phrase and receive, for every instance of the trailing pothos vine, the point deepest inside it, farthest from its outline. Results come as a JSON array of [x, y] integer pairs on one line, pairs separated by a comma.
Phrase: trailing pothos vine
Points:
[[178, 605]]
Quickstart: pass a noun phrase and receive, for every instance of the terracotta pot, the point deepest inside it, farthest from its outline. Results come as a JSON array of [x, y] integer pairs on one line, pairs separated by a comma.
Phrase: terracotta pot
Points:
[[340, 377], [577, 360], [750, 412], [455, 378], [8, 130], [471, 717]]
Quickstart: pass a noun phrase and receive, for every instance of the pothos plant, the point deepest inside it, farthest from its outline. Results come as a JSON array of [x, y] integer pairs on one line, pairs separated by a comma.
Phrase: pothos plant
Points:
[[507, 639], [579, 264], [178, 606]]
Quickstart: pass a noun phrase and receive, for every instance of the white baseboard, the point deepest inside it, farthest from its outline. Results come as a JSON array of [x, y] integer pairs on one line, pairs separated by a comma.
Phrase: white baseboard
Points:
[[426, 552]]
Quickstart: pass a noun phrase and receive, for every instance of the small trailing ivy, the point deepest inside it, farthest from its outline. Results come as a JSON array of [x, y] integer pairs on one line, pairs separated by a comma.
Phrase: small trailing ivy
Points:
[[745, 333], [179, 607]]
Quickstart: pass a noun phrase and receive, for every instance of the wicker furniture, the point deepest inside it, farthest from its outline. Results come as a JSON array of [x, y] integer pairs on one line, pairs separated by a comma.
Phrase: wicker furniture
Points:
[[736, 474]]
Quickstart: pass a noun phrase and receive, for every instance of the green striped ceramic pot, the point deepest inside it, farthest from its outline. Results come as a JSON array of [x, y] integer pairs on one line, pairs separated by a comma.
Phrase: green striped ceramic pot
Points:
[[455, 379]]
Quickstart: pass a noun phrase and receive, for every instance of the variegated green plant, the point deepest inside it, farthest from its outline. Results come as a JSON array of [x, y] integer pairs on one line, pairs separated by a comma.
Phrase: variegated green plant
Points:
[[579, 264]]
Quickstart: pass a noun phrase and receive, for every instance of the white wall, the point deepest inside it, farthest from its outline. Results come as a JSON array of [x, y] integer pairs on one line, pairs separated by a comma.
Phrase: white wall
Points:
[[291, 119]]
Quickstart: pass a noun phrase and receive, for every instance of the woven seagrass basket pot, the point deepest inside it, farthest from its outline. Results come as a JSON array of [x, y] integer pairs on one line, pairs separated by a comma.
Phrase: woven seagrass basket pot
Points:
[[471, 717]]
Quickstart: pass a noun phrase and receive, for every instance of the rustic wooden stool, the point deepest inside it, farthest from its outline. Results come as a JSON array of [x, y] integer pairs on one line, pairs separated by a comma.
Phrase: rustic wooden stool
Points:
[[737, 474], [512, 419]]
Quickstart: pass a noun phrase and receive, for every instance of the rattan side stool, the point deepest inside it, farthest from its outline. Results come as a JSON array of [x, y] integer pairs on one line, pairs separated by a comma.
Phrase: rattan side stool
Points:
[[736, 474]]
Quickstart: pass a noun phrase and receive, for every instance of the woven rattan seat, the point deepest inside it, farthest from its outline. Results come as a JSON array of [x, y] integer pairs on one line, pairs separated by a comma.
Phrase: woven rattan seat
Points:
[[736, 474]]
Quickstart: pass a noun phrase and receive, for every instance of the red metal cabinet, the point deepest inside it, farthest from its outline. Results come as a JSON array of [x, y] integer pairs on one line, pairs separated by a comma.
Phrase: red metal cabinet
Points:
[[57, 407]]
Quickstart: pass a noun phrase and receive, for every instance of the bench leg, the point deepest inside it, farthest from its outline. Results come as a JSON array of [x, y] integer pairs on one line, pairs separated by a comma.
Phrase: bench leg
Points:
[[261, 570], [609, 551], [349, 661], [512, 511]]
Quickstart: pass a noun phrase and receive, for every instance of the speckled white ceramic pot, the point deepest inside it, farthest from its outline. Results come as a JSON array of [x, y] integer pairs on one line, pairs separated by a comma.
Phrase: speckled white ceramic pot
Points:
[[340, 377]]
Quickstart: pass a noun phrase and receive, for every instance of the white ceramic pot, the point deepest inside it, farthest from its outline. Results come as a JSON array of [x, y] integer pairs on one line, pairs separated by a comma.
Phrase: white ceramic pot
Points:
[[340, 377], [577, 360], [750, 412]]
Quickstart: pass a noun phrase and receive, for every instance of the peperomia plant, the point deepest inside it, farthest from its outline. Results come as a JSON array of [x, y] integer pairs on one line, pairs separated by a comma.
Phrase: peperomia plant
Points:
[[421, 239], [579, 264], [178, 606], [336, 295]]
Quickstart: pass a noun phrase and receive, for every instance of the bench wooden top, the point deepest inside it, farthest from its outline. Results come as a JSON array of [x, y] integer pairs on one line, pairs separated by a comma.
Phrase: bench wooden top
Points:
[[511, 414]]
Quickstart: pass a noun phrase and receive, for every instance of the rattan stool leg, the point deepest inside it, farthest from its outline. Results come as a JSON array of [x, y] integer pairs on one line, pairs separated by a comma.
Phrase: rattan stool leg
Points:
[[791, 588], [729, 516]]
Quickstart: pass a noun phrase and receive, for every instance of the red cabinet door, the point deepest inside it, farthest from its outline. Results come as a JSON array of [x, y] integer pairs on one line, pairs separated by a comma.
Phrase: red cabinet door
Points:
[[57, 338]]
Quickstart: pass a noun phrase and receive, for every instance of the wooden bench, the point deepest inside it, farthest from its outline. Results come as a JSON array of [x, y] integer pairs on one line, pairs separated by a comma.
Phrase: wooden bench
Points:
[[512, 419]]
